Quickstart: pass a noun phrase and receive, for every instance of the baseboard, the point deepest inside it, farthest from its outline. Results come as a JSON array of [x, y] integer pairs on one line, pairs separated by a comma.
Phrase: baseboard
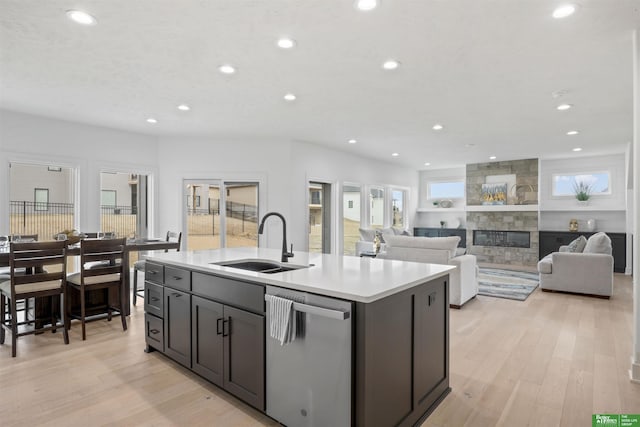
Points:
[[634, 372]]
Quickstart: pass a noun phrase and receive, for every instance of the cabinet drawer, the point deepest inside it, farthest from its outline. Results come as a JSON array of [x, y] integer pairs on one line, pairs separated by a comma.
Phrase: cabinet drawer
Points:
[[154, 299], [153, 272], [154, 333], [245, 295], [177, 278]]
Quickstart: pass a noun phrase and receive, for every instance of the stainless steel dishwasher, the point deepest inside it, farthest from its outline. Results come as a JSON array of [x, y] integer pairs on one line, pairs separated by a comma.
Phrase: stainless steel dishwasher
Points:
[[309, 379]]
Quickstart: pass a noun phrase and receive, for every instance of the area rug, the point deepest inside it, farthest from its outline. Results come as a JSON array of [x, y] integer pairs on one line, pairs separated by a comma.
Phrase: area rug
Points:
[[518, 285]]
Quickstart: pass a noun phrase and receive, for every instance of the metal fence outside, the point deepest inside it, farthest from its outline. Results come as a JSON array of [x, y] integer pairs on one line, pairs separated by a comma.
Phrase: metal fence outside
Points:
[[206, 222], [48, 219]]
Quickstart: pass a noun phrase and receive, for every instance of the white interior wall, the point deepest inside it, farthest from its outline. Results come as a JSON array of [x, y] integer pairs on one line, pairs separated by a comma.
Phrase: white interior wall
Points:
[[182, 158], [314, 162], [453, 217], [89, 149]]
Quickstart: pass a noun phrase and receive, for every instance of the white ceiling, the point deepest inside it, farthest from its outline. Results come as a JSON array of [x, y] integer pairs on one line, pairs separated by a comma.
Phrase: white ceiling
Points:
[[485, 69]]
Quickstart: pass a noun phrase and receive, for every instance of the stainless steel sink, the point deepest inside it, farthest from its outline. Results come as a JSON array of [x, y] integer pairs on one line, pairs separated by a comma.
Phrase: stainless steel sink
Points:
[[260, 266]]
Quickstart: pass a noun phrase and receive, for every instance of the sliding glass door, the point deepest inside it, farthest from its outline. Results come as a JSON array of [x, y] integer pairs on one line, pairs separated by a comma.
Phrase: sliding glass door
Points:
[[220, 214]]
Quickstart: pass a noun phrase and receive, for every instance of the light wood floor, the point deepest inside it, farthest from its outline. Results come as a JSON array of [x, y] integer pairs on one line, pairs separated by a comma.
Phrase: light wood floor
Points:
[[552, 360]]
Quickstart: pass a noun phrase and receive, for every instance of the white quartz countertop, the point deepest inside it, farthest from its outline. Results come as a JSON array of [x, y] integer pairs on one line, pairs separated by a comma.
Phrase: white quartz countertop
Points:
[[360, 279]]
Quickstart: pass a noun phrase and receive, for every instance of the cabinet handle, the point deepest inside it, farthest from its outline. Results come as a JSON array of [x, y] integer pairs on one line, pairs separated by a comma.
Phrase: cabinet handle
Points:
[[218, 331], [177, 295], [154, 299], [152, 272], [177, 278], [154, 331], [228, 329]]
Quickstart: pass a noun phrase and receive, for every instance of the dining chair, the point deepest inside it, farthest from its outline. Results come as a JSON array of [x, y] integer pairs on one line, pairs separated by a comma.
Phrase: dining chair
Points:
[[108, 274], [32, 257], [172, 236]]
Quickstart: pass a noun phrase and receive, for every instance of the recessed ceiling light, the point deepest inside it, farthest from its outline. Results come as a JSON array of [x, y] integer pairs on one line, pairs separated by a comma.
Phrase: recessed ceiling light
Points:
[[352, 141], [151, 120], [564, 11], [290, 97], [564, 107], [427, 164], [366, 5], [286, 43], [437, 126], [492, 157], [576, 149], [184, 107], [227, 69], [391, 64], [573, 132], [395, 154], [81, 17], [469, 145]]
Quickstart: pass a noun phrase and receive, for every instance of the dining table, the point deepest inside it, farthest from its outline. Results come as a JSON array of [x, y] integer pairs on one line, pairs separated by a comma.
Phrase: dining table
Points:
[[42, 308]]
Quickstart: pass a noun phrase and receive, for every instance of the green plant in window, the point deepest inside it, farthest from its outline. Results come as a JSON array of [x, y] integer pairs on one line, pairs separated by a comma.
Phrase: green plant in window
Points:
[[582, 190]]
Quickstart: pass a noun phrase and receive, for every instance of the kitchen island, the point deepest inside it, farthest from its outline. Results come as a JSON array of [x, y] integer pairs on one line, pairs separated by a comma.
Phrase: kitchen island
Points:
[[391, 326]]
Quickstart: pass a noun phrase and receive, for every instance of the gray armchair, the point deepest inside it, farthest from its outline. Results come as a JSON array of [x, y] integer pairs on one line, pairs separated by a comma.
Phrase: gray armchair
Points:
[[587, 272]]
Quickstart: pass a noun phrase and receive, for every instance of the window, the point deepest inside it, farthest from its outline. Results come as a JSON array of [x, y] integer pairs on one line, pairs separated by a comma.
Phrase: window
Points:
[[108, 197], [350, 218], [376, 207], [397, 208], [41, 199], [445, 189], [198, 201], [319, 217], [597, 182]]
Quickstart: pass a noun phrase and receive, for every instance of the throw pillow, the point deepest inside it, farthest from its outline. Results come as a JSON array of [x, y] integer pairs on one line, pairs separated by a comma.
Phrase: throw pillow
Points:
[[385, 232], [367, 234], [599, 243], [406, 233], [577, 245]]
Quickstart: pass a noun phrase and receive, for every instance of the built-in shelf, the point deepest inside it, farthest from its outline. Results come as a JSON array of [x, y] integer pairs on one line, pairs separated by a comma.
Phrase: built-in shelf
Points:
[[503, 208], [484, 208], [441, 210], [585, 208]]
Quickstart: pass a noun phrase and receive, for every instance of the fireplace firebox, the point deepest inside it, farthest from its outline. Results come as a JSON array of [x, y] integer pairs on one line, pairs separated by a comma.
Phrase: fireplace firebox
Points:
[[508, 239]]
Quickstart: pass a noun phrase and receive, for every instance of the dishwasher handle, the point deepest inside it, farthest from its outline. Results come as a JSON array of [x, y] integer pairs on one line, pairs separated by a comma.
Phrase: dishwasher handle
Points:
[[314, 309]]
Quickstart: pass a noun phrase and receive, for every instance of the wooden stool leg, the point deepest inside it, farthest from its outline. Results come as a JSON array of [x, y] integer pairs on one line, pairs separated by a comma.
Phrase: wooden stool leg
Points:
[[54, 319], [82, 313], [3, 314], [64, 318], [135, 284], [123, 302], [14, 328]]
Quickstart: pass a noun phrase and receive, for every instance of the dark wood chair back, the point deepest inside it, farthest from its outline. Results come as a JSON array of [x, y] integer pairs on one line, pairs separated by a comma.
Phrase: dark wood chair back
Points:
[[37, 270], [104, 257], [174, 236]]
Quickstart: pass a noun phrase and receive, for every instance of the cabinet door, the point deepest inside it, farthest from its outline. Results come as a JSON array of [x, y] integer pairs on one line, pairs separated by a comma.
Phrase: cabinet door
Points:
[[430, 341], [177, 326], [207, 354], [244, 355]]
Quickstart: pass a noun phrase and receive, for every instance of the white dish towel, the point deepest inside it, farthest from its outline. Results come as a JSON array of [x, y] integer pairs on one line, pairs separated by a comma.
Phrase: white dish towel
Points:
[[282, 320]]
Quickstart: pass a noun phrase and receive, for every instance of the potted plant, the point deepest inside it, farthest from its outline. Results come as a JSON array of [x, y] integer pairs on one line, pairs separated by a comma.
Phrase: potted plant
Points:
[[582, 191]]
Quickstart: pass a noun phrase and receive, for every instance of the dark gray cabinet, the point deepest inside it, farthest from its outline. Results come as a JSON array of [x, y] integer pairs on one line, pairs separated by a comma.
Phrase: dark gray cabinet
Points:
[[228, 348], [207, 355], [402, 355], [243, 334], [202, 322], [550, 241], [431, 352], [177, 326]]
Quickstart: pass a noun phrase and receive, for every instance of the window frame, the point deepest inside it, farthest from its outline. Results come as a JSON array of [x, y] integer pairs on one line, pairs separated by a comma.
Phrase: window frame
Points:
[[554, 195], [443, 181]]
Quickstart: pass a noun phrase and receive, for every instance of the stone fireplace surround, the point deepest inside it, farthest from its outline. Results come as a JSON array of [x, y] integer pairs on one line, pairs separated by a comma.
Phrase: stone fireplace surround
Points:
[[495, 219]]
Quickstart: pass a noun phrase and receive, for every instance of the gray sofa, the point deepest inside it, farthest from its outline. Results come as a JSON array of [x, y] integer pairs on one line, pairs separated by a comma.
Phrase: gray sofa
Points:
[[584, 266]]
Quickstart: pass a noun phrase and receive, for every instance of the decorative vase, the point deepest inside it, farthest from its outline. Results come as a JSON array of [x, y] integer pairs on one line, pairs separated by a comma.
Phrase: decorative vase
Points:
[[583, 202], [591, 224]]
